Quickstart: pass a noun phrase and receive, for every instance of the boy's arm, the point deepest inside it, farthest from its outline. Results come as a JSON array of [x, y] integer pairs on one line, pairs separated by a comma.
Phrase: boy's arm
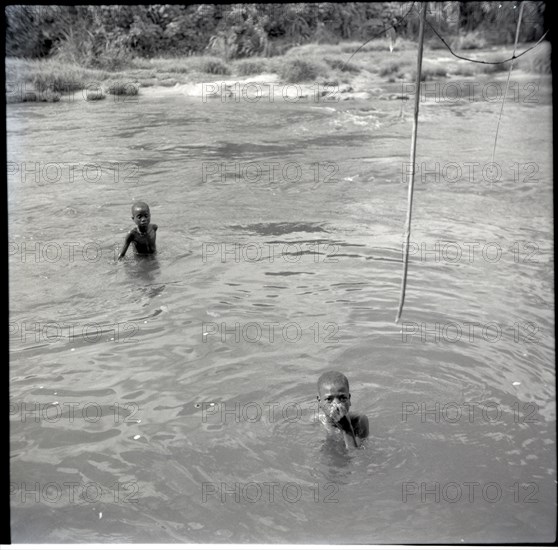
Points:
[[349, 434], [361, 426], [127, 241]]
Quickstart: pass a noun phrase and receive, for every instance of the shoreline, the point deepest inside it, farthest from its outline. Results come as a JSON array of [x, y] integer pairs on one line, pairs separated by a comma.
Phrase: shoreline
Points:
[[268, 87], [321, 73]]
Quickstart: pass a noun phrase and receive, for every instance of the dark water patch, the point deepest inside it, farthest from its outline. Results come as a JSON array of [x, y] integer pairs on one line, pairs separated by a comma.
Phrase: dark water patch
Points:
[[280, 228], [231, 149], [384, 259], [74, 393], [338, 139], [287, 273], [312, 242]]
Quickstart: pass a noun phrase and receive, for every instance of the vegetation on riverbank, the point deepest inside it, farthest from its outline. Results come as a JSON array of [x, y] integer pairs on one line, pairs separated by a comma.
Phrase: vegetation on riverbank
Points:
[[107, 36], [52, 78], [56, 50]]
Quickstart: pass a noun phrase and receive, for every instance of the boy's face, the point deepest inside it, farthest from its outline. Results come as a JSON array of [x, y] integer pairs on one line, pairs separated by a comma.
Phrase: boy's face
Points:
[[141, 217], [335, 399]]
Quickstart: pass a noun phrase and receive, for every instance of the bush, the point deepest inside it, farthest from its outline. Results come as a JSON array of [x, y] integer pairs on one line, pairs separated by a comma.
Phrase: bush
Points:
[[299, 70], [342, 65], [468, 41], [247, 67], [81, 48], [33, 97], [434, 43], [212, 65], [498, 68], [536, 61], [62, 81], [156, 65], [94, 95], [429, 72], [465, 69], [375, 45], [389, 67], [122, 88]]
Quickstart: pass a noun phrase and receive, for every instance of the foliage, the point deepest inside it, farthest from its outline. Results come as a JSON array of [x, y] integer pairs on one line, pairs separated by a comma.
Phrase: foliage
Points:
[[536, 61], [341, 64], [389, 67], [299, 70], [122, 88], [469, 41], [107, 36], [212, 65], [250, 66]]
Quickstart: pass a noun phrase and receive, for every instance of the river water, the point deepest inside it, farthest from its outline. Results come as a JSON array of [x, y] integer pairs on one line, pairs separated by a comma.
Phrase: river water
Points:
[[172, 399]]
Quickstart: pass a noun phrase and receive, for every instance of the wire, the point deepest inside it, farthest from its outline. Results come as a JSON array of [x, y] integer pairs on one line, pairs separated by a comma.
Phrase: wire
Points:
[[479, 60], [393, 26], [399, 21], [507, 82]]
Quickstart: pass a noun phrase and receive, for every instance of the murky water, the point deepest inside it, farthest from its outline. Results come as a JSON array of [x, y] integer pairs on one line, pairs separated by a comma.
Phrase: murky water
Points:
[[266, 276]]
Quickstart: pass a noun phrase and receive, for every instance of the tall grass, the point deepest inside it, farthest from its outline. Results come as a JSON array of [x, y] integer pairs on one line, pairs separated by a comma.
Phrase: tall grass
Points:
[[390, 67], [538, 60], [52, 77], [429, 71], [122, 88], [298, 69], [468, 41], [378, 45], [341, 65], [154, 65], [210, 65], [250, 66], [51, 74], [497, 68]]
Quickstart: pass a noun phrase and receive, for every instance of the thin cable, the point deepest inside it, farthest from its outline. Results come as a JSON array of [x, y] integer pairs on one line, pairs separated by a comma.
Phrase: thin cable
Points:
[[508, 81], [393, 26], [480, 61]]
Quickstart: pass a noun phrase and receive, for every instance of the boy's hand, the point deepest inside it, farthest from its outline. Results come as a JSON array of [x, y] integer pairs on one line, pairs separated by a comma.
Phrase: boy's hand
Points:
[[348, 432], [344, 424], [337, 412]]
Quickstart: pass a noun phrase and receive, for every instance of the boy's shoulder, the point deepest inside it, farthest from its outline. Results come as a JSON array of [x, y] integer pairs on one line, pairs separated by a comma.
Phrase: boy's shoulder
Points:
[[359, 423]]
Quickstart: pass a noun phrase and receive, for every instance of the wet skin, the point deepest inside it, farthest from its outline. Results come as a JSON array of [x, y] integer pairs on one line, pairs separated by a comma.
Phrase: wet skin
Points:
[[335, 402], [143, 236]]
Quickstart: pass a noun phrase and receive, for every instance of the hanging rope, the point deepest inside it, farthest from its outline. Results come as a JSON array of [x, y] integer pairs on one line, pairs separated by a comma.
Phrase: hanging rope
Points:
[[480, 60], [508, 81], [413, 156]]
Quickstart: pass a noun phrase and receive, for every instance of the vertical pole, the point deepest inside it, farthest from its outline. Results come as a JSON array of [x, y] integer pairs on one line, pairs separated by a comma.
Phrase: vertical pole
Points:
[[413, 156]]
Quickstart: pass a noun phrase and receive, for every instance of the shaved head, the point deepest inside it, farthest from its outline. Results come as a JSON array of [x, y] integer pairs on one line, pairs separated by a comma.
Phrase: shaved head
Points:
[[139, 205], [332, 377]]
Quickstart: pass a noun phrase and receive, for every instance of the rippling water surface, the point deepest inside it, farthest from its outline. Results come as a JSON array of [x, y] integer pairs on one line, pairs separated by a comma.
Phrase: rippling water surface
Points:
[[313, 254]]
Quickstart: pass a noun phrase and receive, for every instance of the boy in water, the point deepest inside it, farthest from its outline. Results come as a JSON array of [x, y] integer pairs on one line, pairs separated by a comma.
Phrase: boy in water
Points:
[[143, 236], [334, 402]]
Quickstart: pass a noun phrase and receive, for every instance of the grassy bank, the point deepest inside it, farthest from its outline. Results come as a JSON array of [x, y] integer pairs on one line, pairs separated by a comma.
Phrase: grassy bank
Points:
[[47, 80]]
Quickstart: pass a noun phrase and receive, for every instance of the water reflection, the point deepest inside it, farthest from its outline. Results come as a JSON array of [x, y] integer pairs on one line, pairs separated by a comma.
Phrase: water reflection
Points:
[[144, 268], [338, 293]]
